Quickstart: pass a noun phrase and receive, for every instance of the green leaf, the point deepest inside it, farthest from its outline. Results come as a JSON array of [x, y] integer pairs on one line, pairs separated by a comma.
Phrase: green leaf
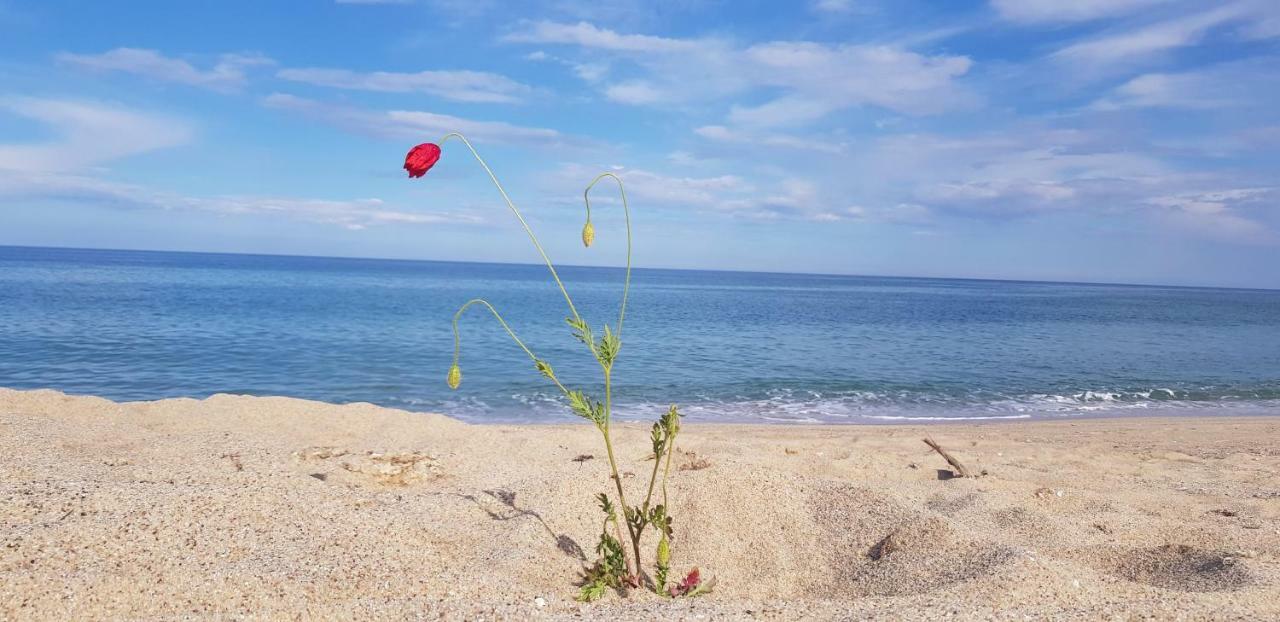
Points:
[[671, 421], [659, 438], [585, 407], [607, 351], [635, 518], [606, 505], [591, 592], [580, 405], [544, 368], [581, 331]]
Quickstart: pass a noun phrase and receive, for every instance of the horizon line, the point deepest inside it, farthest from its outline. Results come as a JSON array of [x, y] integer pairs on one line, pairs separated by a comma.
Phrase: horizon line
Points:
[[731, 271]]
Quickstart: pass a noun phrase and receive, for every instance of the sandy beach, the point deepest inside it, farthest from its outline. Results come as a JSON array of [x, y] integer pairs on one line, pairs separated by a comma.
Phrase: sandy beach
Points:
[[275, 508]]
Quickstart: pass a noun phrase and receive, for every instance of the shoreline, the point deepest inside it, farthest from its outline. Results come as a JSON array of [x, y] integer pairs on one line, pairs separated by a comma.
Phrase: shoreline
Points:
[[1216, 411], [277, 507]]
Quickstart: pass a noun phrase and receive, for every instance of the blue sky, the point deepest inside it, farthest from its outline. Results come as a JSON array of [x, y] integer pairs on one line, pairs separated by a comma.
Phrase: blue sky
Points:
[[1098, 140]]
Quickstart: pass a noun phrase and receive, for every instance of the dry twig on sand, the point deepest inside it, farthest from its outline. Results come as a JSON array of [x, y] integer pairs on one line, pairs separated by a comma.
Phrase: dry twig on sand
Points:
[[959, 469]]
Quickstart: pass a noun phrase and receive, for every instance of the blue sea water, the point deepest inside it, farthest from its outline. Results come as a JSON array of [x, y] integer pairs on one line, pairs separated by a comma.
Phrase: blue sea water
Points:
[[726, 346]]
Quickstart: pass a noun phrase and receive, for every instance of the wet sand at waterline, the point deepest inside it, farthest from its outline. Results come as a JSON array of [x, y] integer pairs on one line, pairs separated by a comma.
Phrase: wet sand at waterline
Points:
[[280, 508]]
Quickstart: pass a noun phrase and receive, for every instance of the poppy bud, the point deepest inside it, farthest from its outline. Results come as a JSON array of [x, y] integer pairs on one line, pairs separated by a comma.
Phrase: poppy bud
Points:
[[664, 553], [455, 376], [588, 234], [420, 159]]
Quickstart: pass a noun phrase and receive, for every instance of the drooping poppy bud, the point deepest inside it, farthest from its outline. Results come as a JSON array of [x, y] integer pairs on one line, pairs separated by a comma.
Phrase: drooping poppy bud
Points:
[[420, 159], [588, 234], [455, 376]]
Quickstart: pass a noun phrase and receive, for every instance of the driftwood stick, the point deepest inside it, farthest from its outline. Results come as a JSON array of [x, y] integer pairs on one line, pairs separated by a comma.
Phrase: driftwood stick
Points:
[[959, 469]]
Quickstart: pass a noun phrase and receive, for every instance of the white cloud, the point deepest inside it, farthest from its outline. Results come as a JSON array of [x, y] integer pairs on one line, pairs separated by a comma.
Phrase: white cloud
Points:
[[1216, 214], [720, 133], [225, 75], [833, 6], [587, 35], [1000, 196], [1027, 171], [463, 86], [784, 111], [590, 71], [758, 198], [1023, 160], [1245, 83], [88, 134], [902, 213], [810, 80], [1117, 49], [349, 214], [1049, 11], [637, 92], [711, 192], [417, 125]]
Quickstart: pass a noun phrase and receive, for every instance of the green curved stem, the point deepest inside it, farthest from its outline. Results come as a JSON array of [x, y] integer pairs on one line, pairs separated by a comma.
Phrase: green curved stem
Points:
[[519, 217], [608, 384], [457, 339], [586, 198]]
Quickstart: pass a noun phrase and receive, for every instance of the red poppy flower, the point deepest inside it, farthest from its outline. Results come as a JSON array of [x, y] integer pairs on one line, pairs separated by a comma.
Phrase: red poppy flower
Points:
[[421, 158]]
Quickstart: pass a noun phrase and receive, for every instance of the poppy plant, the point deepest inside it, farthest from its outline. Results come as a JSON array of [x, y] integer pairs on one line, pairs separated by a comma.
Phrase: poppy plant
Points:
[[616, 567]]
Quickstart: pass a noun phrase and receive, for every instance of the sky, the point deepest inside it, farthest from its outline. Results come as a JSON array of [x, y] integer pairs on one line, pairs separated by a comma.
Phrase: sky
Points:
[[1078, 140]]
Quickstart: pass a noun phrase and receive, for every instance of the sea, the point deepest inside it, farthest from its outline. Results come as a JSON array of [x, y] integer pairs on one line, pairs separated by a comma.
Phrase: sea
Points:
[[724, 346]]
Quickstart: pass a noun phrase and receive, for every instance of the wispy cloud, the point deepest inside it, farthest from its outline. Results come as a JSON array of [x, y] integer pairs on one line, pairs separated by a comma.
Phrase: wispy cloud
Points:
[[1216, 214], [1117, 49], [351, 214], [834, 6], [1057, 11], [812, 80], [588, 35], [87, 134], [1019, 173], [1239, 84], [1031, 172], [785, 198], [416, 124], [227, 74], [462, 86], [722, 134]]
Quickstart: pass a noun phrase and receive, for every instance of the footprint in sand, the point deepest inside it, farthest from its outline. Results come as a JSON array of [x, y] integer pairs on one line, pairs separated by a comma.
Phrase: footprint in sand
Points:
[[1179, 567], [894, 549], [384, 469]]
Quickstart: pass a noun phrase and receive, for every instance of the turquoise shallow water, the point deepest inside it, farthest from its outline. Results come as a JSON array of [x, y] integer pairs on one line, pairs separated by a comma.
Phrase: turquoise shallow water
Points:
[[726, 346]]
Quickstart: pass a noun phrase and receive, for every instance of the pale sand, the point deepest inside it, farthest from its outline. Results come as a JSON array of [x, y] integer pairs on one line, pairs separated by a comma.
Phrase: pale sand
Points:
[[287, 509]]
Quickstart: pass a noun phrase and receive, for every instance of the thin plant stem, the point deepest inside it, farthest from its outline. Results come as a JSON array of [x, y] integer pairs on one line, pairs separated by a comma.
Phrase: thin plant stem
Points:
[[626, 211], [608, 384], [613, 467], [618, 530], [457, 340], [666, 471], [653, 478], [515, 211], [622, 497]]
